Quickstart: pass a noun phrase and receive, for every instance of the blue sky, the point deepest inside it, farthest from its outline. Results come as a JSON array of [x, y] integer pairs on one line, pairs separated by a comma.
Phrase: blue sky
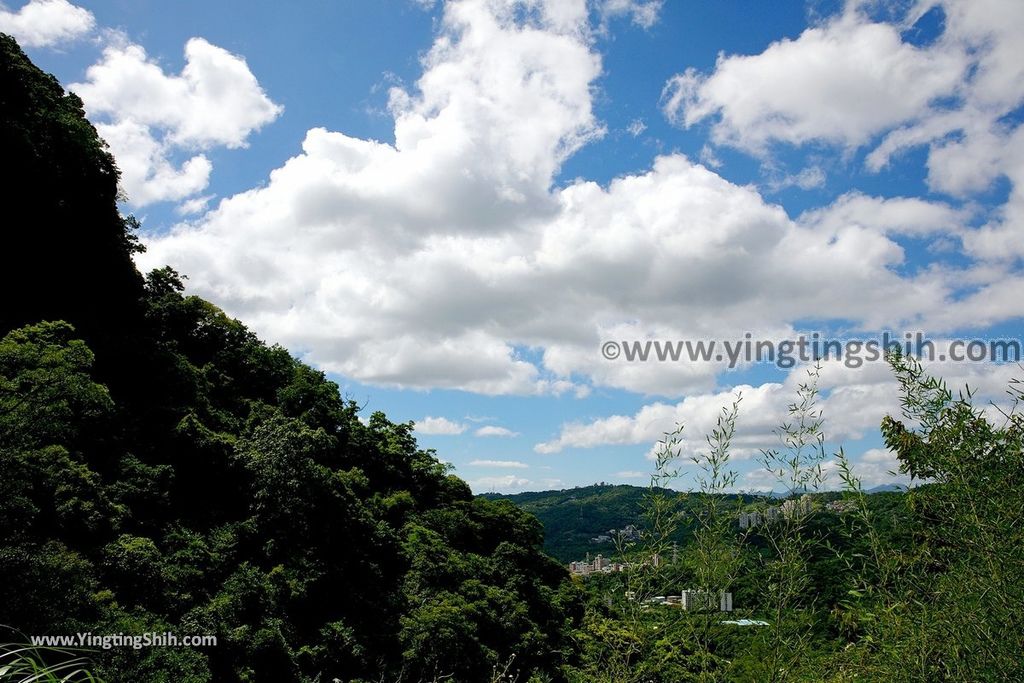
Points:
[[449, 207]]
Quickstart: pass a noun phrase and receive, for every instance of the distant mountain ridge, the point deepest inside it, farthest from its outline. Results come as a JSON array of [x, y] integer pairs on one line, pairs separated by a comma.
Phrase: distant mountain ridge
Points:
[[886, 488], [573, 518]]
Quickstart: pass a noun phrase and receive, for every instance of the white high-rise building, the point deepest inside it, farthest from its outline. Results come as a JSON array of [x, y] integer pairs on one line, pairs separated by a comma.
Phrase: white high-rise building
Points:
[[691, 599], [749, 520]]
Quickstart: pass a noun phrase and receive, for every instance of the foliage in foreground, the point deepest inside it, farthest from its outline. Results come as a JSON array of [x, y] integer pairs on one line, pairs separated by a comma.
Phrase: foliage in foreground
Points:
[[22, 663], [920, 586]]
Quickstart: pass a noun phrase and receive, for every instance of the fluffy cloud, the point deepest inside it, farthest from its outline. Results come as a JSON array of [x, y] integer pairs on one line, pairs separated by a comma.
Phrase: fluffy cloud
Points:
[[507, 464], [842, 82], [644, 13], [492, 430], [215, 100], [761, 407], [147, 173], [149, 117], [448, 258], [809, 178], [502, 101], [47, 23], [986, 32], [677, 243], [439, 425], [854, 79], [636, 127], [874, 467], [891, 216], [878, 466], [193, 205], [504, 482], [854, 401]]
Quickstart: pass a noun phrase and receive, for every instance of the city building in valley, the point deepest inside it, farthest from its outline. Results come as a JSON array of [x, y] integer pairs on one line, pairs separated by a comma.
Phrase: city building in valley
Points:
[[705, 600], [795, 507], [627, 533], [599, 564], [691, 600], [605, 565]]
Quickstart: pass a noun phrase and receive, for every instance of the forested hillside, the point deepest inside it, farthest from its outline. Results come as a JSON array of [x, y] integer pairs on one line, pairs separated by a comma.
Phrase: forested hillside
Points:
[[574, 518], [161, 469]]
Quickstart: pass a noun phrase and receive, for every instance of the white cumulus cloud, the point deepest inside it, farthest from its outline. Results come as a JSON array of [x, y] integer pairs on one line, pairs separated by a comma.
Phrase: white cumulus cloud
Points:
[[500, 483], [450, 259], [492, 430], [856, 82], [842, 82], [439, 425], [150, 117], [643, 13], [47, 23], [854, 400]]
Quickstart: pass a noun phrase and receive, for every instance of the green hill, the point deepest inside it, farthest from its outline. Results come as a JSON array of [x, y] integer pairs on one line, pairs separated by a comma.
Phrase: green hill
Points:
[[573, 518]]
